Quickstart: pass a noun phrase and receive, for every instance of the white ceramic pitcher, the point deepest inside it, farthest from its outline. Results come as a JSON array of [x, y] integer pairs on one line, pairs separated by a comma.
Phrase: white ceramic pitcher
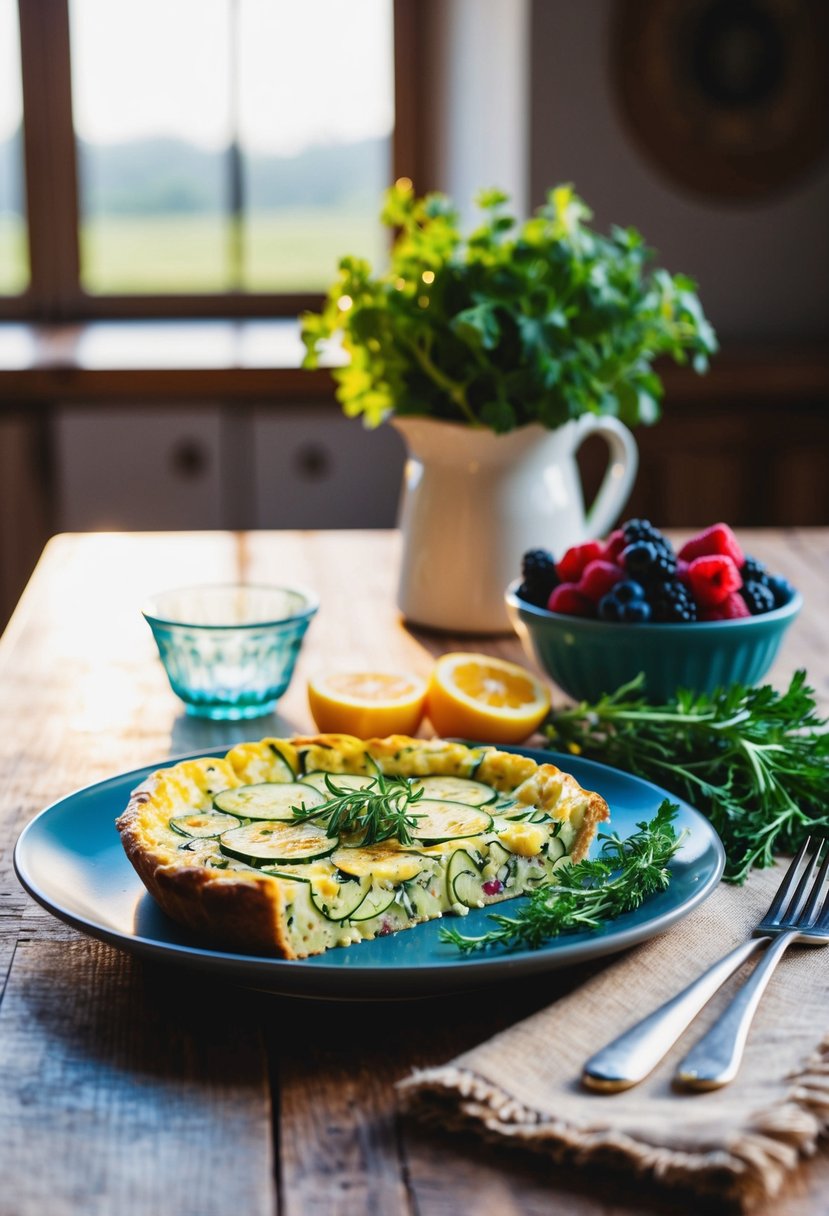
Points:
[[474, 502]]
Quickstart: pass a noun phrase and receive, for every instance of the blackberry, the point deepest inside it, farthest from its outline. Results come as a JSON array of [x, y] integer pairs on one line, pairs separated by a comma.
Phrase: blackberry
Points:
[[754, 572], [781, 589], [646, 561], [642, 529], [538, 575], [671, 601], [758, 598]]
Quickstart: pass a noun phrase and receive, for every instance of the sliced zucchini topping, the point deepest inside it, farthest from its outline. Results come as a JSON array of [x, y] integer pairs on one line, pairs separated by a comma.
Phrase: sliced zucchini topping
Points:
[[438, 822], [464, 884], [201, 846], [270, 800], [338, 897], [292, 875], [555, 849], [203, 823], [383, 863], [274, 842], [378, 901], [456, 789]]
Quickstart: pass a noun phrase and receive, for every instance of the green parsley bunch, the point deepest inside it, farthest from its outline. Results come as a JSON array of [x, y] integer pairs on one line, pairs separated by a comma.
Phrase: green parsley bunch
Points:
[[511, 324]]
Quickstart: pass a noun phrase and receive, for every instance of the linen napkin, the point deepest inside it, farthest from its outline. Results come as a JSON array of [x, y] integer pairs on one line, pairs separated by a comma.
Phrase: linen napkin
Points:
[[739, 1142]]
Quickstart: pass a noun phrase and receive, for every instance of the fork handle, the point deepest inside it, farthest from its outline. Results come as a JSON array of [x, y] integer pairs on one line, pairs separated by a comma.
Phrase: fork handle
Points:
[[629, 1058], [715, 1059]]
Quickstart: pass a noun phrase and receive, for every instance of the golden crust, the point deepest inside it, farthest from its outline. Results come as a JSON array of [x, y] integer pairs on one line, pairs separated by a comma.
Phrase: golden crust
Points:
[[243, 910]]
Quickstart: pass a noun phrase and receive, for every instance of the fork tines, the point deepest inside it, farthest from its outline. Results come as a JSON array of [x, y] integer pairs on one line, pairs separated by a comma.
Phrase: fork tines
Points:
[[798, 902]]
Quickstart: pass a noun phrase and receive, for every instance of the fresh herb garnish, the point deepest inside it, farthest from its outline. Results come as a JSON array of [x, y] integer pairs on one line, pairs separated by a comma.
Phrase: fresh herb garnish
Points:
[[754, 760], [380, 811], [540, 321], [588, 892]]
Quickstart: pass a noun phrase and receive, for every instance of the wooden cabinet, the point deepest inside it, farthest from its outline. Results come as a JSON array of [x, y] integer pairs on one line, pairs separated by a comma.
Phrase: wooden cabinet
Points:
[[139, 468], [314, 468], [222, 466]]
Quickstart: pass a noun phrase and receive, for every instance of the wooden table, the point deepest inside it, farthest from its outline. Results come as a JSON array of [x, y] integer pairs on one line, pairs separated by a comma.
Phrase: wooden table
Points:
[[132, 1088]]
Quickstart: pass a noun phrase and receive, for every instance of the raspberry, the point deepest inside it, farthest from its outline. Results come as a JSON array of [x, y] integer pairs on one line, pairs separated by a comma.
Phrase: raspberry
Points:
[[716, 540], [538, 571], [645, 560], [597, 579], [758, 598], [729, 609], [713, 579], [614, 545], [781, 589], [568, 599], [672, 601], [571, 567]]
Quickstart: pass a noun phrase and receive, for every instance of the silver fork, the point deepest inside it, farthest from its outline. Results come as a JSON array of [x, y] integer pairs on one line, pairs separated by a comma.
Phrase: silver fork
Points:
[[799, 912]]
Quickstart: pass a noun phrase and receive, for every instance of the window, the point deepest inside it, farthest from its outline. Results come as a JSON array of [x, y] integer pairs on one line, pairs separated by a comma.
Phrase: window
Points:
[[14, 260], [201, 156]]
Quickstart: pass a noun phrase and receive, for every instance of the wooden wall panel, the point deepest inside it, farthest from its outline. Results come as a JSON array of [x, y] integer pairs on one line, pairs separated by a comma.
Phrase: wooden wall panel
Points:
[[24, 504]]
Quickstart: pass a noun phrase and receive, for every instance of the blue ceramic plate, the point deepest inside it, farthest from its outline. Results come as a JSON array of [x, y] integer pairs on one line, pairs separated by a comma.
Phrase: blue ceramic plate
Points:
[[71, 860]]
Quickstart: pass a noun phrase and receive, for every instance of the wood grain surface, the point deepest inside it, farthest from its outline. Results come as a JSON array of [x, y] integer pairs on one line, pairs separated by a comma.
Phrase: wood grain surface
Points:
[[133, 1088]]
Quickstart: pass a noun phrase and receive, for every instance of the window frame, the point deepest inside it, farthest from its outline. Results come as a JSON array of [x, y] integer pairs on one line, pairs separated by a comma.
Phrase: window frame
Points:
[[54, 292]]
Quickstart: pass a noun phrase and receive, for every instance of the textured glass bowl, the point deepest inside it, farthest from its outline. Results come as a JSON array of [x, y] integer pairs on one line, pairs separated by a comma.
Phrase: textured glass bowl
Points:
[[229, 651], [587, 657]]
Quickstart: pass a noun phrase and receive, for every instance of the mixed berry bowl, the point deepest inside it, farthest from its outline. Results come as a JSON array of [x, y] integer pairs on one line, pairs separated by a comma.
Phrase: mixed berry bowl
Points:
[[704, 618]]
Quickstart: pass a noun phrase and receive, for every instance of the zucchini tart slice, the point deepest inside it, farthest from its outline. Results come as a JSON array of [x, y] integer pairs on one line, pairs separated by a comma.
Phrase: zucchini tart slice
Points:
[[293, 846]]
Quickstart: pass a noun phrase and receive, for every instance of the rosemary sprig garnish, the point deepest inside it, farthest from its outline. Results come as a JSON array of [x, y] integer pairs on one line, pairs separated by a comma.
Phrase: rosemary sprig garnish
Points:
[[589, 892], [754, 760], [380, 811]]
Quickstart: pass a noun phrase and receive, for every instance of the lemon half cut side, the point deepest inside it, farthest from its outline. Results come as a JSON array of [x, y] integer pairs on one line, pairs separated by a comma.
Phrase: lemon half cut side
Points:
[[478, 696], [367, 704]]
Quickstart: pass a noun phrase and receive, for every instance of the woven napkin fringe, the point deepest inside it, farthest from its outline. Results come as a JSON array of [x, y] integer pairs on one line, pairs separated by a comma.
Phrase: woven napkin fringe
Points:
[[749, 1169]]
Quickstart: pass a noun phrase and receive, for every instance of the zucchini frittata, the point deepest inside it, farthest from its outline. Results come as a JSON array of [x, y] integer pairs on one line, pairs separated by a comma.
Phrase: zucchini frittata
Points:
[[255, 852]]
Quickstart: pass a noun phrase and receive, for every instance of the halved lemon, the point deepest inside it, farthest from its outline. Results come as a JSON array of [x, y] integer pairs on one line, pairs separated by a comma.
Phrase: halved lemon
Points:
[[478, 696], [367, 703]]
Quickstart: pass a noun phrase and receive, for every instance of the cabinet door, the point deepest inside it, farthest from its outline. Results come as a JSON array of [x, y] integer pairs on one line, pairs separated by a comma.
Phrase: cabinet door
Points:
[[137, 468], [314, 468]]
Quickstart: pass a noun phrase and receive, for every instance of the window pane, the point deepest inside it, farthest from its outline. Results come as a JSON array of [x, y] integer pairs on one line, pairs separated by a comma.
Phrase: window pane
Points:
[[151, 103], [14, 249], [316, 111], [229, 144]]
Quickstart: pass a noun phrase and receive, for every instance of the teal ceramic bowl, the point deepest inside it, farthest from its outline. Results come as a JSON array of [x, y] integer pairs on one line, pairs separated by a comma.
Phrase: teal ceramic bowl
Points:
[[587, 657], [229, 650]]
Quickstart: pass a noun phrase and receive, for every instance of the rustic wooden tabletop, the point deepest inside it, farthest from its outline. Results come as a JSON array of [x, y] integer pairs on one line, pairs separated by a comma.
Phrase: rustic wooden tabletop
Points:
[[137, 1088]]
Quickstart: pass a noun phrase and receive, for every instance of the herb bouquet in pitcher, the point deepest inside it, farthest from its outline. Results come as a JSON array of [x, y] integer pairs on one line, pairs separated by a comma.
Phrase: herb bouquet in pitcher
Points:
[[495, 354]]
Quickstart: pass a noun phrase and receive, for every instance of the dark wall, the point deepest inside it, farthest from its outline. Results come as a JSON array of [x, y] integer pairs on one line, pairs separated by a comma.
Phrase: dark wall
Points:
[[722, 165]]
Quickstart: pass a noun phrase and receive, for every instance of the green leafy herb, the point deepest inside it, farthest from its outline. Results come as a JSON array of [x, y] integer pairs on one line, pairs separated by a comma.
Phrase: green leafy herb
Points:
[[378, 812], [589, 892], [541, 322], [754, 760]]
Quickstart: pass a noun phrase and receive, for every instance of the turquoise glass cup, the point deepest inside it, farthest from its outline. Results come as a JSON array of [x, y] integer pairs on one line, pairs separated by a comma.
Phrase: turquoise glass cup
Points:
[[587, 658], [229, 651]]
